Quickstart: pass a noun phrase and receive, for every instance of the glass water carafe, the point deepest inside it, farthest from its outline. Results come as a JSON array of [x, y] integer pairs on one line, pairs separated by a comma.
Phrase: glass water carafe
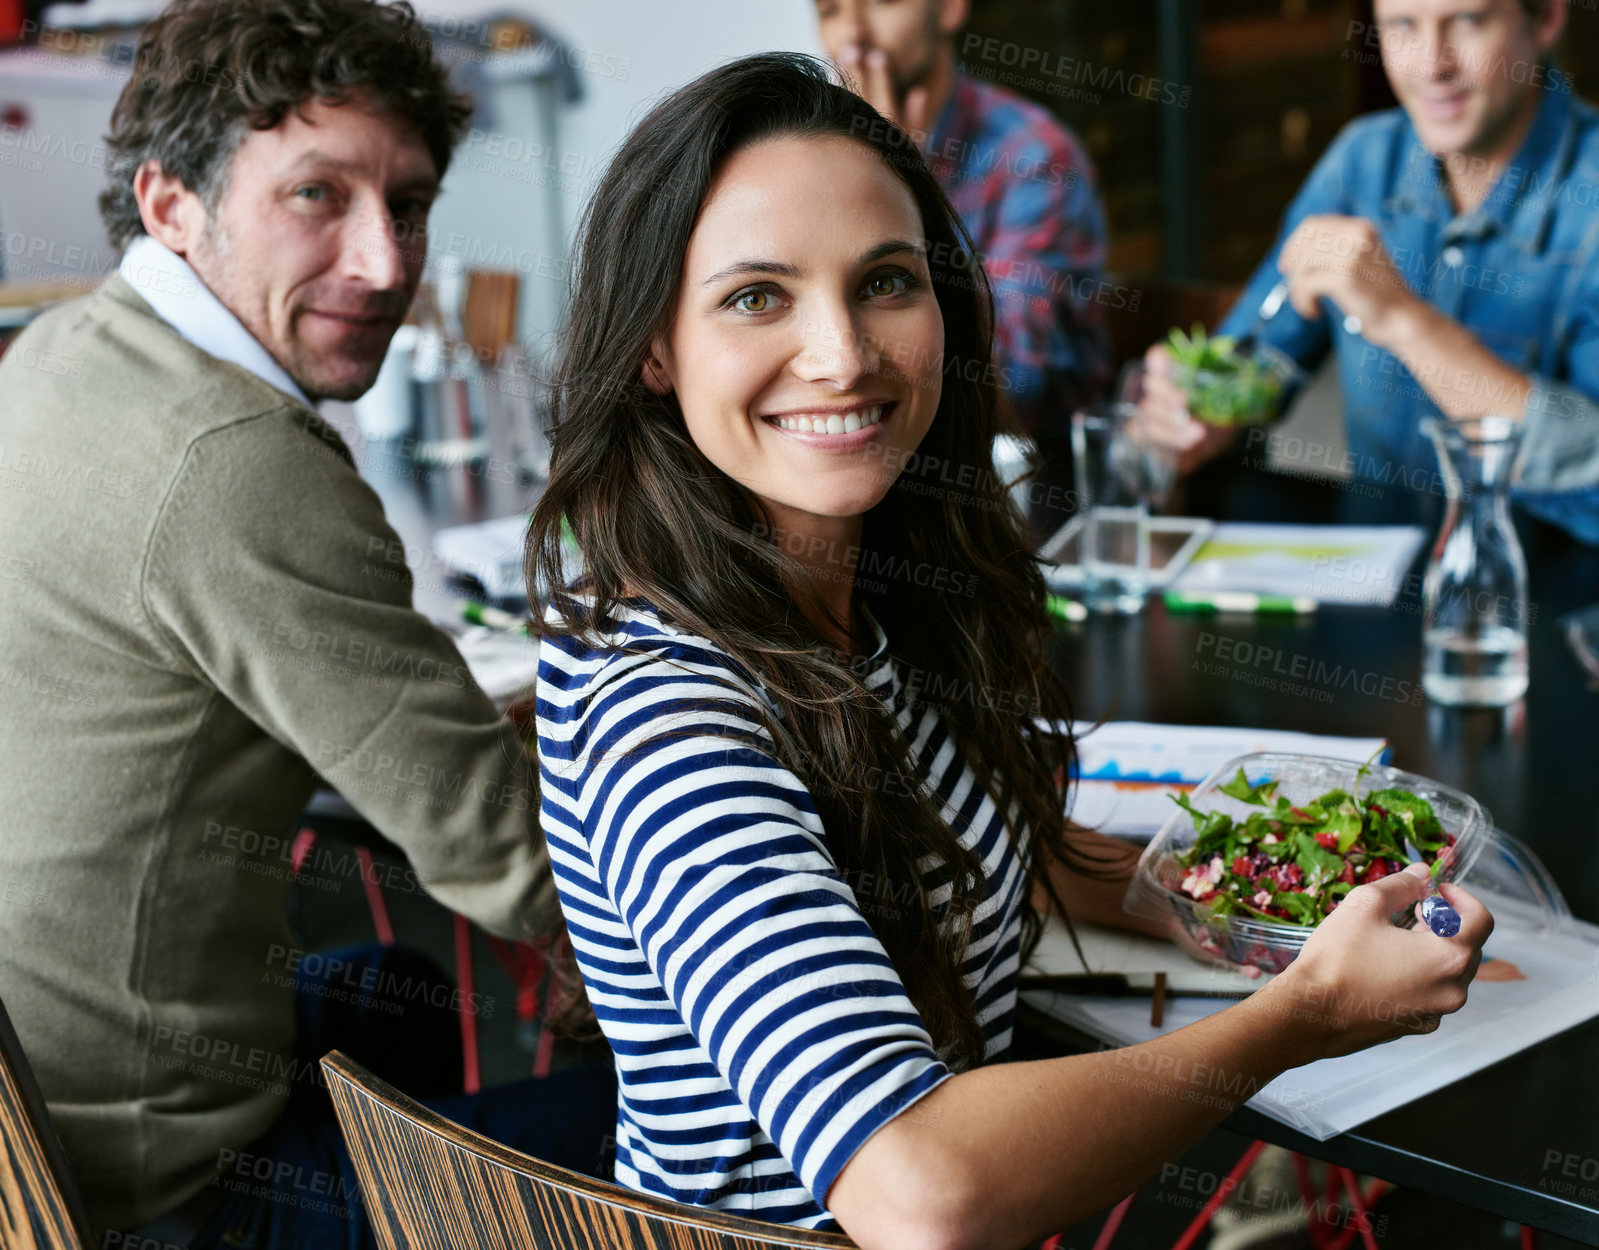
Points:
[[1474, 599]]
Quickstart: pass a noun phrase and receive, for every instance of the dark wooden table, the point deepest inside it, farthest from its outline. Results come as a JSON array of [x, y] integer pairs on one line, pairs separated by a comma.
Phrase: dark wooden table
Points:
[[1515, 1139]]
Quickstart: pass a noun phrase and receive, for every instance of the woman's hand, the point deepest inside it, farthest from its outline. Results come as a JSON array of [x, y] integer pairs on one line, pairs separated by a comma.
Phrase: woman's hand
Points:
[[1360, 980]]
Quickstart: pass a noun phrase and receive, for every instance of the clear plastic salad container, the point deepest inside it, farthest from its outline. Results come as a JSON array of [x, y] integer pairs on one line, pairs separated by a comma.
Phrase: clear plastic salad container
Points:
[[1272, 945]]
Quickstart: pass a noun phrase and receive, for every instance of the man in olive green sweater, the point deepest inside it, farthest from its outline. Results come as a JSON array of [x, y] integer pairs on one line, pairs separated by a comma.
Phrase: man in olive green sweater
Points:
[[205, 608]]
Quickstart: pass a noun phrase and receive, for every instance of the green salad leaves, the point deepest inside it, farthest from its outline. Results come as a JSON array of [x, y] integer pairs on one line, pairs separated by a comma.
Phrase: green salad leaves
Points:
[[1224, 387], [1293, 863]]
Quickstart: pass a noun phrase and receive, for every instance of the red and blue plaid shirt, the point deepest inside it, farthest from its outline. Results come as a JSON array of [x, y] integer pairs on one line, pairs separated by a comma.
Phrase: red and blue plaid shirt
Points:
[[1024, 188]]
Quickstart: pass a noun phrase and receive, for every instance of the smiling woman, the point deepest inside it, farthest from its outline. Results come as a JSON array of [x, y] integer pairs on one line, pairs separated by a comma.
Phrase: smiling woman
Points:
[[776, 359], [800, 274], [802, 762]]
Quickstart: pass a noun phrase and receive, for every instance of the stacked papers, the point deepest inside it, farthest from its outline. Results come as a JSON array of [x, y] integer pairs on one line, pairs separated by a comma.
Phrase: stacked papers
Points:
[[1127, 769], [490, 551], [1344, 564]]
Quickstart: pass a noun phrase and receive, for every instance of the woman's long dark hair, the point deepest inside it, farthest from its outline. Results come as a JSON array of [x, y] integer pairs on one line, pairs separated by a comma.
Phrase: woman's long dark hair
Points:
[[946, 566]]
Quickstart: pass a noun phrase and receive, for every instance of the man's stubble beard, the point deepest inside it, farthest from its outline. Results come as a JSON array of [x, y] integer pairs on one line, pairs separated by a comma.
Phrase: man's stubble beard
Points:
[[221, 248], [346, 392], [1496, 129]]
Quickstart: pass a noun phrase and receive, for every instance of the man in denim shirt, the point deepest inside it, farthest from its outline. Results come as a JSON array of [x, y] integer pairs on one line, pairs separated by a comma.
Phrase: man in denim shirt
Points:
[[1448, 252]]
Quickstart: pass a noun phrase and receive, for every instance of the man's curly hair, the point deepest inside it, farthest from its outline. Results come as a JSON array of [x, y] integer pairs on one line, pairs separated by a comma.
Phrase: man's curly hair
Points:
[[206, 69]]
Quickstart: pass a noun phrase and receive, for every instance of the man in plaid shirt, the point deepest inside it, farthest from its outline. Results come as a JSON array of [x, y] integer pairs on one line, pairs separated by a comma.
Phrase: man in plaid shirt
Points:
[[1020, 181]]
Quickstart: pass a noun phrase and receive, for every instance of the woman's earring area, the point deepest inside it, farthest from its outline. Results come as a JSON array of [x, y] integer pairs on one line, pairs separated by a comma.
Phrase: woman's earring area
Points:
[[655, 377]]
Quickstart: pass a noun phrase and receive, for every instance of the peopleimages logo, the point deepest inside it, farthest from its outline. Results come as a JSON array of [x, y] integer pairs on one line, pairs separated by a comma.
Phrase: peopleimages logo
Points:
[[1296, 674], [330, 976], [1028, 59], [417, 780]]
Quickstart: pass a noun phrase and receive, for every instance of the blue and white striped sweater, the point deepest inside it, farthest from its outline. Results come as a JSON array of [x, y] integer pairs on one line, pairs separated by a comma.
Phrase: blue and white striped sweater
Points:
[[761, 1034]]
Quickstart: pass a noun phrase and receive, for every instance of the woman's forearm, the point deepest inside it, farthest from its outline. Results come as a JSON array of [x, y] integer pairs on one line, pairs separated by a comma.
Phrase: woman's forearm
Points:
[[1005, 1155], [1098, 899]]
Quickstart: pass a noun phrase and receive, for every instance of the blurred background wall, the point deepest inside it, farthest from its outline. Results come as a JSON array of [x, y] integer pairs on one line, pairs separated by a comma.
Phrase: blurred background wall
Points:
[[1202, 117]]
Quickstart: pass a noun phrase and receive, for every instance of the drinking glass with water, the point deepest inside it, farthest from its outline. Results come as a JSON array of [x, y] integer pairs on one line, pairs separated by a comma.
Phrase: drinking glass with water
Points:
[[1474, 598], [1113, 476]]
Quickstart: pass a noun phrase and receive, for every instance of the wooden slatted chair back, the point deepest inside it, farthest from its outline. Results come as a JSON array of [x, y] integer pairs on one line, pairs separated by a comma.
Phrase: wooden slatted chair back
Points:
[[430, 1184], [40, 1208]]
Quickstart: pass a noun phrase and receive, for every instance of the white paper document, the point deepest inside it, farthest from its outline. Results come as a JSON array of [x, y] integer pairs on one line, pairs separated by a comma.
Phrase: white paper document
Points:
[[504, 663], [1135, 957], [1560, 989], [490, 551], [1343, 564]]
